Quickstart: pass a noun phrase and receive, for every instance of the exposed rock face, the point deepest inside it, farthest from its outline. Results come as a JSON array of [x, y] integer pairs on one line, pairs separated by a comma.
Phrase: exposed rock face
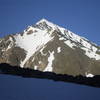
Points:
[[9, 52], [48, 47]]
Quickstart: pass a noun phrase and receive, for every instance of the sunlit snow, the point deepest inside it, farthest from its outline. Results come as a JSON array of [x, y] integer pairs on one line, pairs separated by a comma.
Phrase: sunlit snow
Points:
[[89, 75], [37, 40], [58, 49], [49, 67], [33, 42], [35, 67], [11, 43]]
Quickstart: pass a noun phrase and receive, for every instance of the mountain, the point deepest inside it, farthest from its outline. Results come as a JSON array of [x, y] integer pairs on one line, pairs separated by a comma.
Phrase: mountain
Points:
[[48, 47]]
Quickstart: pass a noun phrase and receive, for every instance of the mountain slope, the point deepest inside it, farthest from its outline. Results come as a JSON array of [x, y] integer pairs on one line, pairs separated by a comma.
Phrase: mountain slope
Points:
[[49, 47]]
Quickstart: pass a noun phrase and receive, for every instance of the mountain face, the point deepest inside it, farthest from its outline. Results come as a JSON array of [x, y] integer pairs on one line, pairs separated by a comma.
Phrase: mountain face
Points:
[[50, 48]]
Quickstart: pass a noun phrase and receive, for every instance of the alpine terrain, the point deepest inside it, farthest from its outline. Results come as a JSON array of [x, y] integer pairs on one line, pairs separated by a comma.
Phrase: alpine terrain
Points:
[[50, 48]]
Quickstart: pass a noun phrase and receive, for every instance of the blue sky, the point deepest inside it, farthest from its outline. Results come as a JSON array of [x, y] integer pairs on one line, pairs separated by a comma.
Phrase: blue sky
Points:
[[79, 16], [17, 88]]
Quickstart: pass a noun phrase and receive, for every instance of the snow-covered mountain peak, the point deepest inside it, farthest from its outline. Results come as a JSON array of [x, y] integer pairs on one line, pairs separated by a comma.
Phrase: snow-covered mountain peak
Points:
[[42, 20], [45, 21], [42, 31], [48, 47], [45, 24]]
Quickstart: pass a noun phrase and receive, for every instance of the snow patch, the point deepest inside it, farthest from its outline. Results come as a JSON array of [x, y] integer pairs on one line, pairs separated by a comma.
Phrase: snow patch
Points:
[[35, 67], [3, 50], [40, 62], [42, 51], [50, 61], [68, 42], [30, 28], [58, 49], [10, 39], [91, 53], [11, 43], [89, 75], [33, 29], [9, 46], [86, 44], [61, 38]]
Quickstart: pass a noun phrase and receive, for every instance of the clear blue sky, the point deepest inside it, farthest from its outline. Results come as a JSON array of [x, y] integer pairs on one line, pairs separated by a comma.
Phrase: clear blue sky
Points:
[[79, 16], [17, 88]]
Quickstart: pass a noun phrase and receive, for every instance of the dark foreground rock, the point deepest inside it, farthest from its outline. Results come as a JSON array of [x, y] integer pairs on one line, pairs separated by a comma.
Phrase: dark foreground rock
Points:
[[29, 73]]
